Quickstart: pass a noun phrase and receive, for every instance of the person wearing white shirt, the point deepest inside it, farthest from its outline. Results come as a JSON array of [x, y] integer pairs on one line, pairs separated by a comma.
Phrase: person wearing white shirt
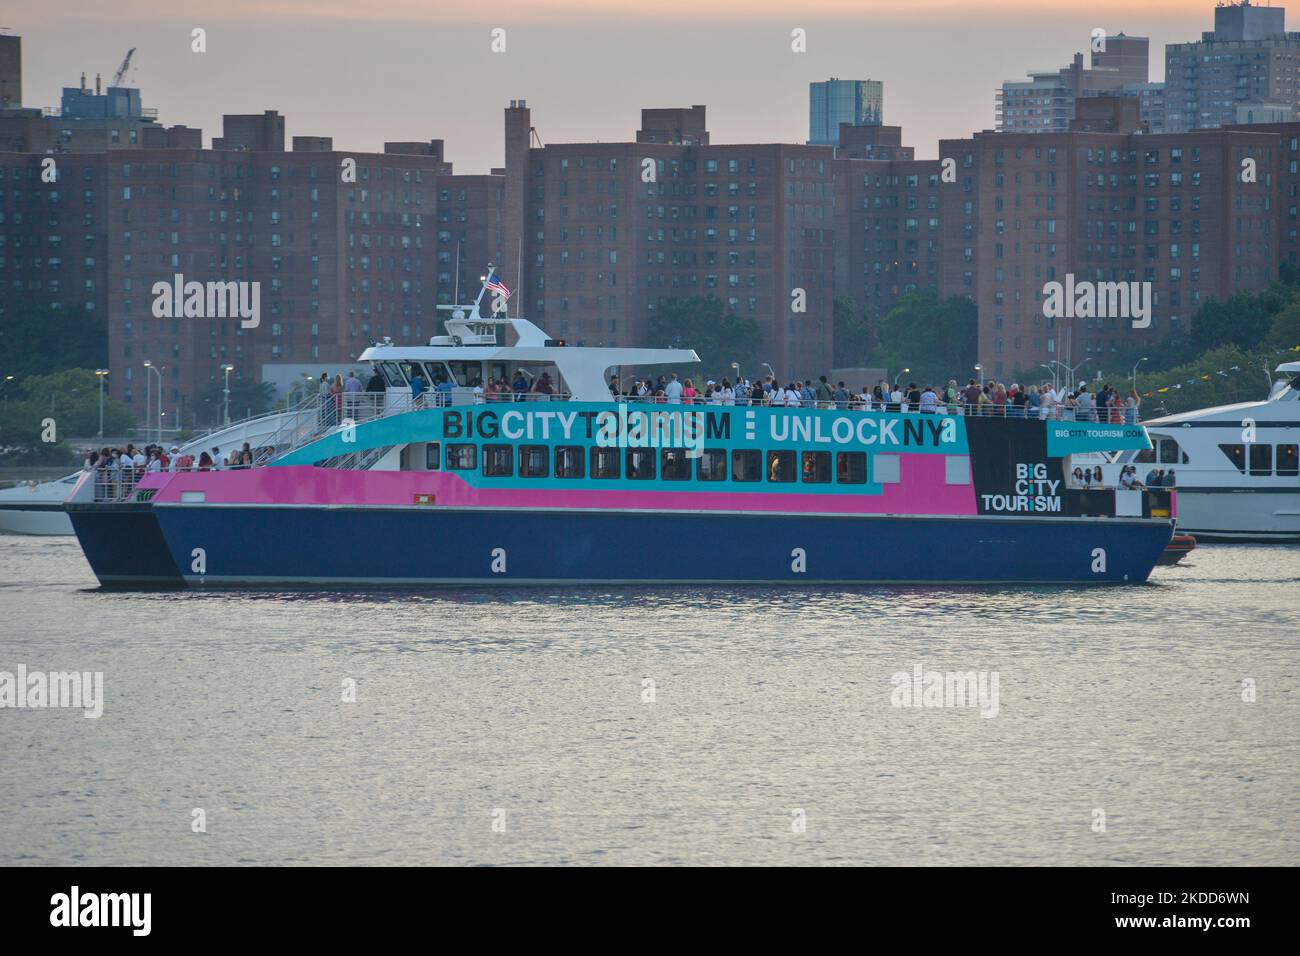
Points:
[[173, 458], [776, 396], [1047, 403], [674, 391], [792, 399]]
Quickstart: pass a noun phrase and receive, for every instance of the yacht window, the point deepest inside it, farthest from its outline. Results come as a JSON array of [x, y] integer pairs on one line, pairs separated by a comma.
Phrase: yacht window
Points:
[[570, 461], [675, 465], [433, 456], [1169, 452], [498, 461], [534, 461], [1235, 454], [746, 465], [780, 466], [1261, 459], [1147, 456], [816, 467], [711, 465], [462, 457], [392, 373], [1288, 460], [851, 467], [605, 463], [640, 463]]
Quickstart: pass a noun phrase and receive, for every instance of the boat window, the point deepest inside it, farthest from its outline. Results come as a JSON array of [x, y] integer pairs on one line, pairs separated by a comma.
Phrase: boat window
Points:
[[1147, 456], [605, 463], [746, 465], [433, 456], [816, 467], [1261, 459], [467, 373], [571, 461], [534, 461], [1288, 460], [1235, 454], [392, 373], [780, 466], [1169, 453], [462, 457], [498, 461], [675, 466], [640, 463], [711, 465], [851, 467]]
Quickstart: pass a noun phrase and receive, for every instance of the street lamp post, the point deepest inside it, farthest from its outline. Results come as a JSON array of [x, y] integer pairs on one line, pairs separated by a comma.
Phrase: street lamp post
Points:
[[148, 399], [901, 373], [770, 371], [736, 366], [980, 368], [6, 381], [101, 374], [226, 392], [1072, 369], [1134, 376], [156, 370]]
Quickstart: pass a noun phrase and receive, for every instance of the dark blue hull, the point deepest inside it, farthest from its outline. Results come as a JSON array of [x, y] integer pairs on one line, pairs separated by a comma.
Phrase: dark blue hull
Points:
[[279, 546]]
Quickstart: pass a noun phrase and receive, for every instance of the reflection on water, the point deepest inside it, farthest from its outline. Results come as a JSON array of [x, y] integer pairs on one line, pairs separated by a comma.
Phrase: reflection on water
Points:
[[638, 725]]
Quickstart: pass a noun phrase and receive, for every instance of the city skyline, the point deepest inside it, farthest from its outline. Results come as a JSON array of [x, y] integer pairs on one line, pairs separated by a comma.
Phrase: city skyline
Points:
[[585, 74]]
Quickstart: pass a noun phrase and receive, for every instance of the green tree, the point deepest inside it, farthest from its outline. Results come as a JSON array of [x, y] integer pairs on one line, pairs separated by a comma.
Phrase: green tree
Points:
[[247, 397], [936, 338], [852, 331], [718, 338], [70, 398], [38, 341]]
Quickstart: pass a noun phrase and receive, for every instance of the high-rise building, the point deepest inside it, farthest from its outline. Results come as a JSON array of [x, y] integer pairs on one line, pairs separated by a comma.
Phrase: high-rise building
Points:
[[1246, 70], [597, 249], [11, 71], [1045, 103], [835, 101], [339, 260]]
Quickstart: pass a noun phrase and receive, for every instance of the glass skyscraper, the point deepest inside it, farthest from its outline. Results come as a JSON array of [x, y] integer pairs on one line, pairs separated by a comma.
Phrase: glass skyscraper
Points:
[[858, 102]]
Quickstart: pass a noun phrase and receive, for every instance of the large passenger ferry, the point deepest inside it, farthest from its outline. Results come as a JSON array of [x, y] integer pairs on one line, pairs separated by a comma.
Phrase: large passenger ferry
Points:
[[562, 481]]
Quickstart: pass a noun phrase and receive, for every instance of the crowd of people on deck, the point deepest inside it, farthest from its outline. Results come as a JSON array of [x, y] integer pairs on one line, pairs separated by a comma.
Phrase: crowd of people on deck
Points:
[[1086, 402], [118, 470], [1100, 403], [1128, 478]]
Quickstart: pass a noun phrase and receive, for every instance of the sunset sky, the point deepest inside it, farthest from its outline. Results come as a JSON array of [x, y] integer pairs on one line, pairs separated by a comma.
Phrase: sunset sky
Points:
[[366, 72]]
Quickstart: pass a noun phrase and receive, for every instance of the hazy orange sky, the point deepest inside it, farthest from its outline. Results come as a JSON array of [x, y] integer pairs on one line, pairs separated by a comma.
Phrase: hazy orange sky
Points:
[[415, 70]]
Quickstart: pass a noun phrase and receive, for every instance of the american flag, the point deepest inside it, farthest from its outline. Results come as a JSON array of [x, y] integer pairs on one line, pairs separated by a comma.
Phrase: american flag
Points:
[[494, 284]]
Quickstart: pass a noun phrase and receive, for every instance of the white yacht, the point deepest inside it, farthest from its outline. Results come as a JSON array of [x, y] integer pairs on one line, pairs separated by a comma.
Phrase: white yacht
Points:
[[1237, 467]]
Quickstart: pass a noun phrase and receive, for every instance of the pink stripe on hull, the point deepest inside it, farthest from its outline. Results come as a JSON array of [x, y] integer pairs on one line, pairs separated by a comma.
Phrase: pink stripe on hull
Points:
[[923, 491]]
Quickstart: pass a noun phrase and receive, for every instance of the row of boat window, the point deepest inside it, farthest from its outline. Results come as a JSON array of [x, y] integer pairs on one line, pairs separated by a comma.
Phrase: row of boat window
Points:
[[668, 464], [1261, 459]]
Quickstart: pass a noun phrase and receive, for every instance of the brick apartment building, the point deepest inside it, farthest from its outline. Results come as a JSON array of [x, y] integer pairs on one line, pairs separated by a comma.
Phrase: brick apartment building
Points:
[[339, 264], [596, 249]]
